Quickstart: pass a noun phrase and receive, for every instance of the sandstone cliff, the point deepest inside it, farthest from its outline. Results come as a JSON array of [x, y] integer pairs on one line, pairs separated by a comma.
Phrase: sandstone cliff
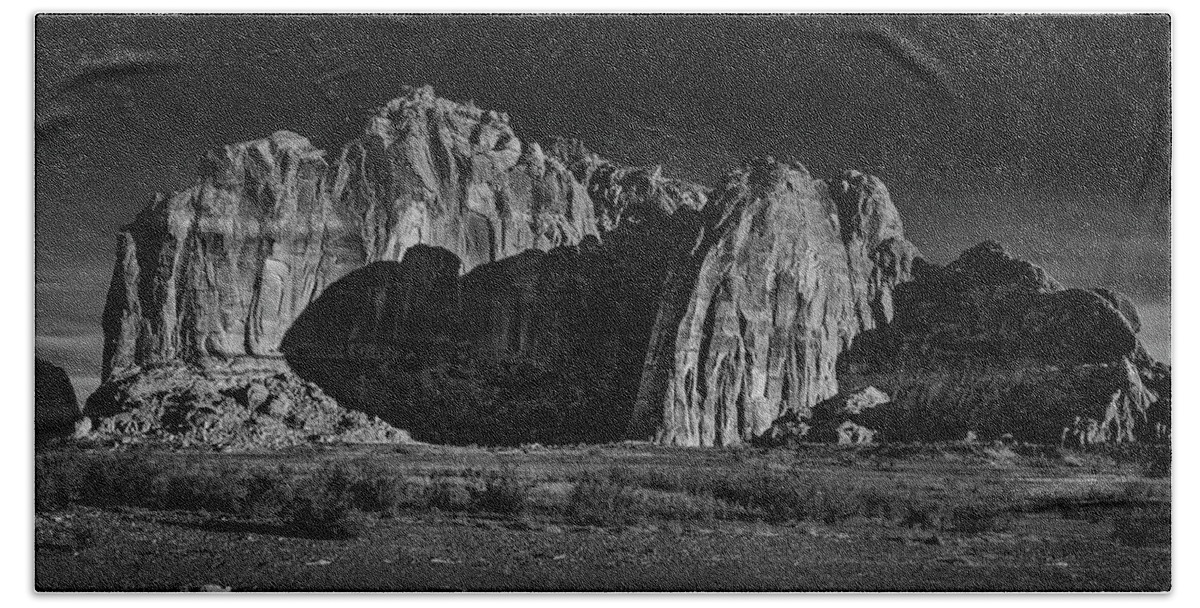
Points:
[[213, 276], [788, 270], [212, 279], [443, 276], [991, 345], [540, 346]]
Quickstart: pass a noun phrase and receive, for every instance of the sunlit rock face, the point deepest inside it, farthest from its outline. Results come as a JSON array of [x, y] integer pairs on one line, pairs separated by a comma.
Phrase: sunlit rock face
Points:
[[213, 276], [435, 172], [788, 270], [992, 346]]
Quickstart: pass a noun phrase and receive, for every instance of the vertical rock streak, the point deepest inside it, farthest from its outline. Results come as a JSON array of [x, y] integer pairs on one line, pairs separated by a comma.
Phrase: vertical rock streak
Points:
[[787, 272], [213, 276]]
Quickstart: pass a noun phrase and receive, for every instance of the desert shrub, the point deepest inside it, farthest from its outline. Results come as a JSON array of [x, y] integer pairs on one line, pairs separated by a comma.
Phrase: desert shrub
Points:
[[267, 493], [386, 494], [596, 500], [58, 480], [446, 493], [118, 479], [220, 490], [876, 502], [774, 495], [505, 493], [928, 514], [322, 506], [976, 519]]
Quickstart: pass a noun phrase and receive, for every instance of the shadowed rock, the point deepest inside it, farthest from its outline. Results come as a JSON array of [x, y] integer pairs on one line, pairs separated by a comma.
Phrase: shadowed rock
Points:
[[538, 347], [992, 345], [55, 409]]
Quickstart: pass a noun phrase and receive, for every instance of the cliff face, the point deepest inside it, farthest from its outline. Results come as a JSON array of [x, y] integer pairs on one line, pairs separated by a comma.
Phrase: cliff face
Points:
[[788, 270], [213, 276], [444, 277], [225, 278], [431, 171], [539, 346], [993, 346], [209, 280]]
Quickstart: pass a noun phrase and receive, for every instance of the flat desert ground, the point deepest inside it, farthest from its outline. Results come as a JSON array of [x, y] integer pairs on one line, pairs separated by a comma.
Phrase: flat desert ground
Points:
[[638, 517]]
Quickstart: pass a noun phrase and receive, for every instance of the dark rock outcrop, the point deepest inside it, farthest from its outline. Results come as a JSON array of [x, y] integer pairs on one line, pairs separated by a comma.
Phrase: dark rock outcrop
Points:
[[55, 409], [788, 270], [992, 346]]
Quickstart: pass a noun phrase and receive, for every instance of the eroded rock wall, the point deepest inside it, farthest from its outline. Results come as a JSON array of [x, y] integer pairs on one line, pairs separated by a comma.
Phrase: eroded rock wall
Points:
[[787, 271], [213, 276]]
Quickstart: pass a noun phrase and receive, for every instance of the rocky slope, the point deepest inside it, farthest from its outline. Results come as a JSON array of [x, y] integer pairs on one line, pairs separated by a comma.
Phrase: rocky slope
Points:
[[993, 346], [186, 407], [55, 408], [788, 270]]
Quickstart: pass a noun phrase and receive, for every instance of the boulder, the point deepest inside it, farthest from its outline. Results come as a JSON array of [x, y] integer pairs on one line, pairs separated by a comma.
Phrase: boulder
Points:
[[787, 271], [841, 419], [55, 409]]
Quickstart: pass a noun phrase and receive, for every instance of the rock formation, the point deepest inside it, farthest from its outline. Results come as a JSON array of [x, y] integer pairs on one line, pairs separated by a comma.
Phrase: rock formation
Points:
[[788, 270], [212, 278], [186, 407], [55, 409], [437, 354], [443, 276], [991, 345]]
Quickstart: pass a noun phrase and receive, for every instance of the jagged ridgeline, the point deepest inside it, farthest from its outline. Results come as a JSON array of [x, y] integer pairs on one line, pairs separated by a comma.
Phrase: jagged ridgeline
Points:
[[445, 277]]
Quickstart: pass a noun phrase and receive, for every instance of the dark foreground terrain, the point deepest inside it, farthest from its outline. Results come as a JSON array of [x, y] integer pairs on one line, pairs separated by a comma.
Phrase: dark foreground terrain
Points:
[[630, 517]]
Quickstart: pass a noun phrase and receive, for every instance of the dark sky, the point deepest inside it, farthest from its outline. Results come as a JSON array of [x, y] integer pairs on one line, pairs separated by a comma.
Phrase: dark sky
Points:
[[1049, 133]]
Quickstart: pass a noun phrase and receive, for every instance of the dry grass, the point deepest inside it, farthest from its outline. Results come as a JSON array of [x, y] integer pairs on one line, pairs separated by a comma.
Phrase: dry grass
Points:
[[338, 499]]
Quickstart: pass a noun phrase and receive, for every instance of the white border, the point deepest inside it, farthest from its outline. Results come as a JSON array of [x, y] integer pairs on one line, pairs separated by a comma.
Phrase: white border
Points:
[[16, 250]]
